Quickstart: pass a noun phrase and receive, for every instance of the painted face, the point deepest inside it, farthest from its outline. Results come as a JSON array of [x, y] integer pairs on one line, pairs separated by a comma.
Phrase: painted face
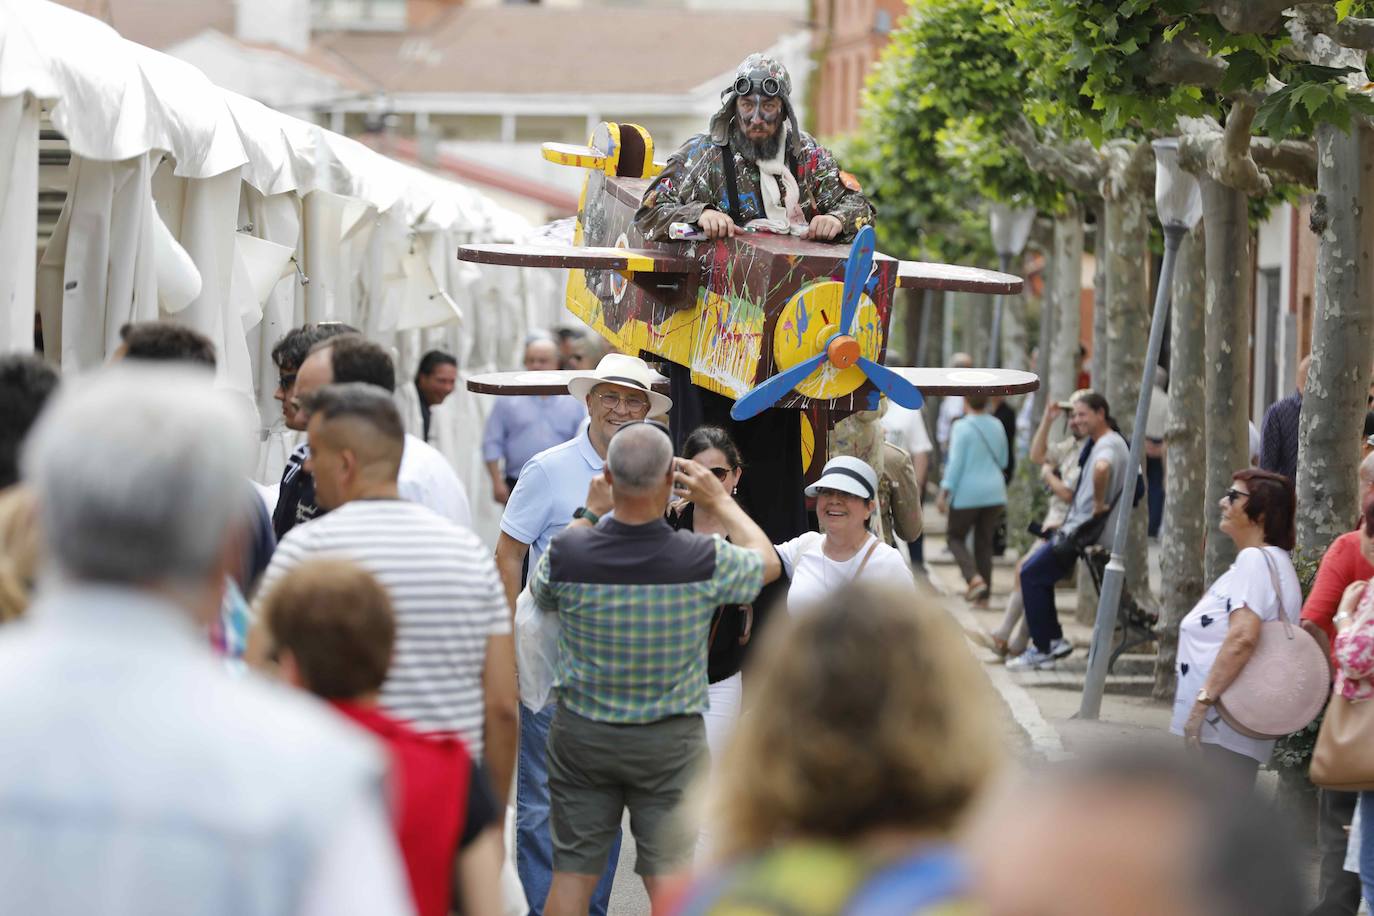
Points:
[[759, 116]]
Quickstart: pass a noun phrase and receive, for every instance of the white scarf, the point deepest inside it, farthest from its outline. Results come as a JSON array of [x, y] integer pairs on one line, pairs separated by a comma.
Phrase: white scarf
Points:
[[783, 209]]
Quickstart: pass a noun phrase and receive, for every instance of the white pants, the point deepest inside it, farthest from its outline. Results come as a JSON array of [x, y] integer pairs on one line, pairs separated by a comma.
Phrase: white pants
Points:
[[722, 713]]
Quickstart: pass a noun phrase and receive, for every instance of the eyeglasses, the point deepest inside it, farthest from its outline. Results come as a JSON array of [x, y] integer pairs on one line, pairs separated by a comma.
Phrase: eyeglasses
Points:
[[632, 404], [1233, 494], [768, 86]]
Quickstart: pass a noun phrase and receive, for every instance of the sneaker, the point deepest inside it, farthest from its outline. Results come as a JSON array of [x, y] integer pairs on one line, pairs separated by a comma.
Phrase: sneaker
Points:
[[1031, 660], [1061, 648]]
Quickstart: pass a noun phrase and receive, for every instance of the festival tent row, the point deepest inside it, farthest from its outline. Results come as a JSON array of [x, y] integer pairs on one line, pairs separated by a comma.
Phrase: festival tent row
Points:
[[188, 202]]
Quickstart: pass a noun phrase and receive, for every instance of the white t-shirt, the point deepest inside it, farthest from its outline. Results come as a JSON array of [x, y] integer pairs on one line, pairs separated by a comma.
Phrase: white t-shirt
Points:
[[1247, 583], [906, 428], [814, 575], [951, 409], [427, 478], [448, 600]]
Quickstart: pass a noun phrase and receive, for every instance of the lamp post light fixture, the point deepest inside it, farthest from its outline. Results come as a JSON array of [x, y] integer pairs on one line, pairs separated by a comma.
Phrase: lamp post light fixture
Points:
[[1178, 201], [1011, 228]]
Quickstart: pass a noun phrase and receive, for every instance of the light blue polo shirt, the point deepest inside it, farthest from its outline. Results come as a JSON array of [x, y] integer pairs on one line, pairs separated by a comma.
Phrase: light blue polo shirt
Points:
[[552, 485]]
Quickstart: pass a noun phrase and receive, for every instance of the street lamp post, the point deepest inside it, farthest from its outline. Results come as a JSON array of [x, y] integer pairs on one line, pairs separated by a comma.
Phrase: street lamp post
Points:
[[1011, 227], [1178, 200]]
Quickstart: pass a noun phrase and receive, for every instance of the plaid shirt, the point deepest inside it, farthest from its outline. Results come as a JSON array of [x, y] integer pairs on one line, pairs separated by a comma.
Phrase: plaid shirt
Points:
[[635, 604]]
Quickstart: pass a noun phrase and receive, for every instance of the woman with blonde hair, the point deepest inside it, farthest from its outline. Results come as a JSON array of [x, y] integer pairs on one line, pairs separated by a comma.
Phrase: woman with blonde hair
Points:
[[871, 736]]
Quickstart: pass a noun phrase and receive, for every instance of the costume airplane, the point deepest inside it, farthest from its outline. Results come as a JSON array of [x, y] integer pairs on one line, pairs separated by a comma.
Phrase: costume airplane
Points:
[[768, 320]]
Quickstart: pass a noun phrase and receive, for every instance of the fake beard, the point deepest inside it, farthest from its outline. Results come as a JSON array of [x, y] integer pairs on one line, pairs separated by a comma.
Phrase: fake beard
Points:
[[754, 151]]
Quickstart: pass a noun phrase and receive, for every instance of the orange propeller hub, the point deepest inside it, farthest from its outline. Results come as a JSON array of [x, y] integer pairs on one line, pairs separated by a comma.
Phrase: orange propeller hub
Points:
[[843, 351]]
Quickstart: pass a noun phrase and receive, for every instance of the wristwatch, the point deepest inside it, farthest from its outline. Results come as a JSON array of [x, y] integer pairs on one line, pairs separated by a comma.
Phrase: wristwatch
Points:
[[1205, 698], [588, 514]]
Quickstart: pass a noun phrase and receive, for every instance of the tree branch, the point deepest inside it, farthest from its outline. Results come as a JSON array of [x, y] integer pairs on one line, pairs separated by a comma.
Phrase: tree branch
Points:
[[1294, 161], [1204, 148], [1184, 61], [1247, 17], [1311, 21], [1077, 165]]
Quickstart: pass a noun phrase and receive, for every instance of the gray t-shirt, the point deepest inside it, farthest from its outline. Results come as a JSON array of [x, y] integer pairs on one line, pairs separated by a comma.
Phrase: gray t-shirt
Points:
[[1111, 448]]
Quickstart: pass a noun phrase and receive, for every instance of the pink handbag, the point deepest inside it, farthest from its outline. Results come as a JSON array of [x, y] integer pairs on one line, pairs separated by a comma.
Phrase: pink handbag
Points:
[[1283, 685]]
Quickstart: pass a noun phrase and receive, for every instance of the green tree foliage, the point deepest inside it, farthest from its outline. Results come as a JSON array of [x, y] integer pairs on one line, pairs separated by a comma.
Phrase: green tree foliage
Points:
[[932, 141]]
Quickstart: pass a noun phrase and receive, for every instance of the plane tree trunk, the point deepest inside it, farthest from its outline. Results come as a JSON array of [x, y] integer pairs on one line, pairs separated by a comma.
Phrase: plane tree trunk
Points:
[[1068, 269], [1227, 229], [1180, 555], [1334, 399]]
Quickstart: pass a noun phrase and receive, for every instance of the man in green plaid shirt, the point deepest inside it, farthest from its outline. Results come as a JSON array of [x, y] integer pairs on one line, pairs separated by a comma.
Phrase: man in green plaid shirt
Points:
[[635, 600]]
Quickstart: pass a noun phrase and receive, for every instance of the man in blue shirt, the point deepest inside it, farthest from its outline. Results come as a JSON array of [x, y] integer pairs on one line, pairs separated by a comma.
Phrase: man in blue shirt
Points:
[[551, 486], [521, 427]]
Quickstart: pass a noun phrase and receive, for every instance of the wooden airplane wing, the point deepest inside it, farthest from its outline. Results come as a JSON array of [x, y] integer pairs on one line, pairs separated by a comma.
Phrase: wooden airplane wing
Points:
[[554, 381], [944, 382], [621, 260], [952, 277]]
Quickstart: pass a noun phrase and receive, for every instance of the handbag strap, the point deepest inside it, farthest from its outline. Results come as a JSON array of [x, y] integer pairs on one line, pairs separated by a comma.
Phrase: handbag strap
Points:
[[868, 556], [1278, 591], [992, 454]]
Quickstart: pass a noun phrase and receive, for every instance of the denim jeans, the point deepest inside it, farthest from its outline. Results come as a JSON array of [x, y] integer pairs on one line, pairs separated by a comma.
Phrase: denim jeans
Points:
[[533, 842], [1039, 574], [1367, 845], [1338, 891]]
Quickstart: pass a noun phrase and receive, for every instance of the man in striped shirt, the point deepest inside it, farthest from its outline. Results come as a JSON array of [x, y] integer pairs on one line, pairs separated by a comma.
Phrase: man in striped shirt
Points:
[[453, 669]]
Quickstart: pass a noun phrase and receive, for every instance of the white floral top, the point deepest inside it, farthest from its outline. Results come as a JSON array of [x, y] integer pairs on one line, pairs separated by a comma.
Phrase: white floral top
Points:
[[1354, 651]]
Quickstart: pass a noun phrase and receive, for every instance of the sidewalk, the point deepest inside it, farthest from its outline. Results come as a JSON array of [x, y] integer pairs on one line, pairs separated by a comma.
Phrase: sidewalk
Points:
[[1044, 703]]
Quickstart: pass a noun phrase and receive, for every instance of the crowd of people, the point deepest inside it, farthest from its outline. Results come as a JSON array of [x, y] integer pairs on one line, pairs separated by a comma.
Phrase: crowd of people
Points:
[[305, 695]]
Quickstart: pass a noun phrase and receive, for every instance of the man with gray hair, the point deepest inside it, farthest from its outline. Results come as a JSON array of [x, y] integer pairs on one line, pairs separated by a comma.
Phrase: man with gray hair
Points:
[[126, 747], [635, 600], [454, 663]]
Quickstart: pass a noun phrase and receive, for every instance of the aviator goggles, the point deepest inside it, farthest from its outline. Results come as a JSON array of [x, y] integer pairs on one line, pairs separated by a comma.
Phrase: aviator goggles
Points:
[[768, 86]]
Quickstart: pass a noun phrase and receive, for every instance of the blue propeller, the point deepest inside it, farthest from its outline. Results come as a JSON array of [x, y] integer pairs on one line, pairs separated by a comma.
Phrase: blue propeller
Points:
[[841, 348]]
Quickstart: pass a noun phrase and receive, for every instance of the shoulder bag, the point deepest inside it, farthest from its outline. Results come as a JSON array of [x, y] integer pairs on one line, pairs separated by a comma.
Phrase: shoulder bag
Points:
[[1284, 684], [1344, 755]]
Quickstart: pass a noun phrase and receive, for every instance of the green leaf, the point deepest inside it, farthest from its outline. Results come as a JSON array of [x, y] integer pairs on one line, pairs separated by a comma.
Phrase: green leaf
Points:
[[1343, 8], [1244, 69], [1312, 96]]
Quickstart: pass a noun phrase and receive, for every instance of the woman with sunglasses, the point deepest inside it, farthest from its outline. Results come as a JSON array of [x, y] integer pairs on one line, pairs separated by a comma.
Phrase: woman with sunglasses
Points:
[[1217, 638], [733, 624], [845, 550]]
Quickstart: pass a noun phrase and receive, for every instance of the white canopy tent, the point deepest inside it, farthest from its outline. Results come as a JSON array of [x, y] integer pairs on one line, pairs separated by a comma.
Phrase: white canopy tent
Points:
[[189, 202]]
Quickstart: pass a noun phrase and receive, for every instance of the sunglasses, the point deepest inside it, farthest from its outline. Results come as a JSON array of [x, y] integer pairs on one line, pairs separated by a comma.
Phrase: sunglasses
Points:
[[721, 473], [1233, 494]]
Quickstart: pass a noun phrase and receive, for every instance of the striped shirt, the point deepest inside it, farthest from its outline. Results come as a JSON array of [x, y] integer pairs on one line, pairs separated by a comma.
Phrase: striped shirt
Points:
[[448, 601]]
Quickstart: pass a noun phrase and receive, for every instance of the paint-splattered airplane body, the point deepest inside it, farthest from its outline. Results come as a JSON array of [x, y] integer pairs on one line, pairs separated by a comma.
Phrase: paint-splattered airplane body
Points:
[[737, 312]]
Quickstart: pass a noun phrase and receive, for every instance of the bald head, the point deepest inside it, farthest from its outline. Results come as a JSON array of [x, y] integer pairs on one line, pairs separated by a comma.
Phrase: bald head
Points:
[[640, 459], [961, 361]]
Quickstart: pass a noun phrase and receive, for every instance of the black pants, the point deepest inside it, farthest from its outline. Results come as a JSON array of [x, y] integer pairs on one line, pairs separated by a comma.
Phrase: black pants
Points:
[[1338, 890]]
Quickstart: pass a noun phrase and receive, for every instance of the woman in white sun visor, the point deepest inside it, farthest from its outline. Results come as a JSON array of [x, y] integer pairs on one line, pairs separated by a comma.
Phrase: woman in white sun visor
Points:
[[844, 550]]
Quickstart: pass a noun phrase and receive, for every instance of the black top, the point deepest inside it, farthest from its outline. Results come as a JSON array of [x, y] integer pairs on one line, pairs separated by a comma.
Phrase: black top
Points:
[[296, 495], [731, 622]]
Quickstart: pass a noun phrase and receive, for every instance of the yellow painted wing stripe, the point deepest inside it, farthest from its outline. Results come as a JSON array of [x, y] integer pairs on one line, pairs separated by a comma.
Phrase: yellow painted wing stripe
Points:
[[578, 156]]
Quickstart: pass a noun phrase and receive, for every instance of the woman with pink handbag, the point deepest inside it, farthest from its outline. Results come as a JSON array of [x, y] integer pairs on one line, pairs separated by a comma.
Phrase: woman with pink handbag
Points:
[[1218, 641], [1342, 757]]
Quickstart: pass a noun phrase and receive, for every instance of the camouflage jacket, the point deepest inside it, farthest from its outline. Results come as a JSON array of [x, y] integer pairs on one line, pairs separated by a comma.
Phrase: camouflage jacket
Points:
[[695, 179]]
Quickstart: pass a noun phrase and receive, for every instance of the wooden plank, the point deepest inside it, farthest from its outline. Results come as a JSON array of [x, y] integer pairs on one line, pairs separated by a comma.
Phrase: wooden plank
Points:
[[554, 381], [942, 382], [641, 260], [952, 277]]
